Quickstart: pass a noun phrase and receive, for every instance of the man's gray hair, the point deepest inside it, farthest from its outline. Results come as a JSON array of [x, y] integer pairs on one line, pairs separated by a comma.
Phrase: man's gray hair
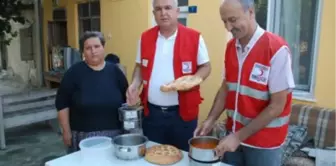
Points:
[[175, 3], [247, 4]]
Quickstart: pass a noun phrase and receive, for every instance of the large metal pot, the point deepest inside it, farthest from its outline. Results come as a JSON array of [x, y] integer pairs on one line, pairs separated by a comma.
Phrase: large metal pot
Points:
[[132, 124], [130, 146], [202, 149]]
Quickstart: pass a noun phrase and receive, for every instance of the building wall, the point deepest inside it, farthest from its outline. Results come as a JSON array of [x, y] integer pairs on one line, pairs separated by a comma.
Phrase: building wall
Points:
[[15, 65], [72, 26], [123, 21], [215, 37]]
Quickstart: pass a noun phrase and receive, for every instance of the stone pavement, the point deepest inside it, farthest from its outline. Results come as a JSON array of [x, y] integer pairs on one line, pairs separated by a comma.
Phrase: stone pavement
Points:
[[31, 146]]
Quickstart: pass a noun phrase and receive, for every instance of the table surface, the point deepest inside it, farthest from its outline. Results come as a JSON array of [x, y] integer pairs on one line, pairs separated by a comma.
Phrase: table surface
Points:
[[75, 160]]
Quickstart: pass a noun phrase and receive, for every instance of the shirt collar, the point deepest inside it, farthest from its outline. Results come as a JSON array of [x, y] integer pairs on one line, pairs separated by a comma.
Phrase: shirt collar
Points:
[[171, 37], [257, 34]]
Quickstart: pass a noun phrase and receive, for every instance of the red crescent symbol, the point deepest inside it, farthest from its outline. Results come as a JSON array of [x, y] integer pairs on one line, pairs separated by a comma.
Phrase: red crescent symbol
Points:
[[262, 72], [187, 67]]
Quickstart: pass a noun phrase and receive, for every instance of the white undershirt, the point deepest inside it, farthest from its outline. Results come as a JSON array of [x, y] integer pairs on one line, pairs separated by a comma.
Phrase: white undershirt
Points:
[[163, 71]]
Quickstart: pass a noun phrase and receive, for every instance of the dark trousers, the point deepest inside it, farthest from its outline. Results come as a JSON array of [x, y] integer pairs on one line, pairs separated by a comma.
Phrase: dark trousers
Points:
[[165, 126], [246, 156]]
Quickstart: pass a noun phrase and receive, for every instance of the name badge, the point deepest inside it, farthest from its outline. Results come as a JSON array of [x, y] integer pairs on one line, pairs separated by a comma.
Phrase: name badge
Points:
[[145, 62], [260, 74], [186, 67]]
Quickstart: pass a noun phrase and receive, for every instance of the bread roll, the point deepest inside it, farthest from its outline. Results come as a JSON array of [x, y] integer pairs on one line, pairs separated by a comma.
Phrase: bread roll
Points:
[[181, 84]]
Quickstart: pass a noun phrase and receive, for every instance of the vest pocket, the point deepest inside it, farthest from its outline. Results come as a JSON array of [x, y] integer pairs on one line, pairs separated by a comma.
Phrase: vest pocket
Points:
[[193, 98]]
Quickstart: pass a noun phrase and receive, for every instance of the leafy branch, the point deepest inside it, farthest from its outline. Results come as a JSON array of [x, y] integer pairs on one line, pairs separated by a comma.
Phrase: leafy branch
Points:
[[11, 12]]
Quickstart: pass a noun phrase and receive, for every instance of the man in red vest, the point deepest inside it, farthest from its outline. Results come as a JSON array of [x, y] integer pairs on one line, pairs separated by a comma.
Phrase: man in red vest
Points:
[[166, 52], [256, 91]]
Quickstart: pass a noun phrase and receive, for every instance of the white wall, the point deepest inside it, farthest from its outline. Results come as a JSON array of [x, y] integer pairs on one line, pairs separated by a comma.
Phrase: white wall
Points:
[[20, 68]]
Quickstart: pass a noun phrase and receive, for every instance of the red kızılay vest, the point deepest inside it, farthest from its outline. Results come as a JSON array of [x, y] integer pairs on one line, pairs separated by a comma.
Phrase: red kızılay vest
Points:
[[248, 91], [185, 53]]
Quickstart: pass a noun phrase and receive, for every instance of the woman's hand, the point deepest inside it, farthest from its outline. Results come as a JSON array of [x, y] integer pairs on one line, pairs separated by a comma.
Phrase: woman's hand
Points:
[[67, 136]]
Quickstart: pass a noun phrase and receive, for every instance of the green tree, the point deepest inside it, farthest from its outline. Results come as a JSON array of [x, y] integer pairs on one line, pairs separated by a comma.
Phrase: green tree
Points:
[[11, 11]]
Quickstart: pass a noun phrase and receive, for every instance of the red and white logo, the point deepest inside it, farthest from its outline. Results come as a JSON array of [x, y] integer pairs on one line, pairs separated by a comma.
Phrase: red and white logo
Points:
[[260, 73], [186, 67]]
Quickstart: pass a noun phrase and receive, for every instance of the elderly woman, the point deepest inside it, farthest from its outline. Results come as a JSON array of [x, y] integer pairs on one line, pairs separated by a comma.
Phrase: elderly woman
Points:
[[90, 94]]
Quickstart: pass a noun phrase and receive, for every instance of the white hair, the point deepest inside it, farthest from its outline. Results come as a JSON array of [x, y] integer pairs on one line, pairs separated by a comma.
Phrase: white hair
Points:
[[175, 3], [247, 4]]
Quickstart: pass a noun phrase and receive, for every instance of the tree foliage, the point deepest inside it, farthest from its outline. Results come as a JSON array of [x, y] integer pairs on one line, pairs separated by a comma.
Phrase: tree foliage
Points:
[[11, 11]]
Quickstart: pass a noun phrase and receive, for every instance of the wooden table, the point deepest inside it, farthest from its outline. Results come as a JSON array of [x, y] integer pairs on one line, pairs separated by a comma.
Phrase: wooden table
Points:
[[52, 77]]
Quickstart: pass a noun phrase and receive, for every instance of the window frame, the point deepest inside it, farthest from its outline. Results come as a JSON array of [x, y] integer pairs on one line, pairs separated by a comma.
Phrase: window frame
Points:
[[184, 12], [89, 17], [273, 25]]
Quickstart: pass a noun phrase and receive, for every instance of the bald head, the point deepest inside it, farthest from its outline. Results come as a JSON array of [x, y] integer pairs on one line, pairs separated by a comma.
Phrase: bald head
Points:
[[175, 3], [238, 17], [166, 13], [245, 4]]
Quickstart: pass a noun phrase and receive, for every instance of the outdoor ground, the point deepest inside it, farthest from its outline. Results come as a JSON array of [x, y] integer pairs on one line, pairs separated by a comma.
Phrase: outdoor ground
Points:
[[31, 146], [28, 145]]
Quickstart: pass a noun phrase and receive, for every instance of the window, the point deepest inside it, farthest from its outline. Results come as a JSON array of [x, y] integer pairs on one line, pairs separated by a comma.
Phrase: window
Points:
[[261, 12], [59, 14], [89, 16], [183, 21], [3, 55], [183, 2], [182, 18], [298, 22], [26, 43]]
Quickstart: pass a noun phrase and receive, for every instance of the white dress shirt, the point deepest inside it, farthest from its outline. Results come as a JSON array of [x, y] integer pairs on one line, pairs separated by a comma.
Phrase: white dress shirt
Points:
[[163, 71]]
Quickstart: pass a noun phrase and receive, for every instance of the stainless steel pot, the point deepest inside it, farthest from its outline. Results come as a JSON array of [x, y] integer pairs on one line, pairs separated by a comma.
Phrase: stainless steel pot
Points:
[[130, 146], [193, 162], [202, 149], [132, 125], [127, 113]]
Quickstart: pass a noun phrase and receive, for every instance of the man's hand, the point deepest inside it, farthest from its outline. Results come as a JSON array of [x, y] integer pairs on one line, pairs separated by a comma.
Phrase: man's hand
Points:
[[67, 136], [229, 143], [132, 94], [204, 128]]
